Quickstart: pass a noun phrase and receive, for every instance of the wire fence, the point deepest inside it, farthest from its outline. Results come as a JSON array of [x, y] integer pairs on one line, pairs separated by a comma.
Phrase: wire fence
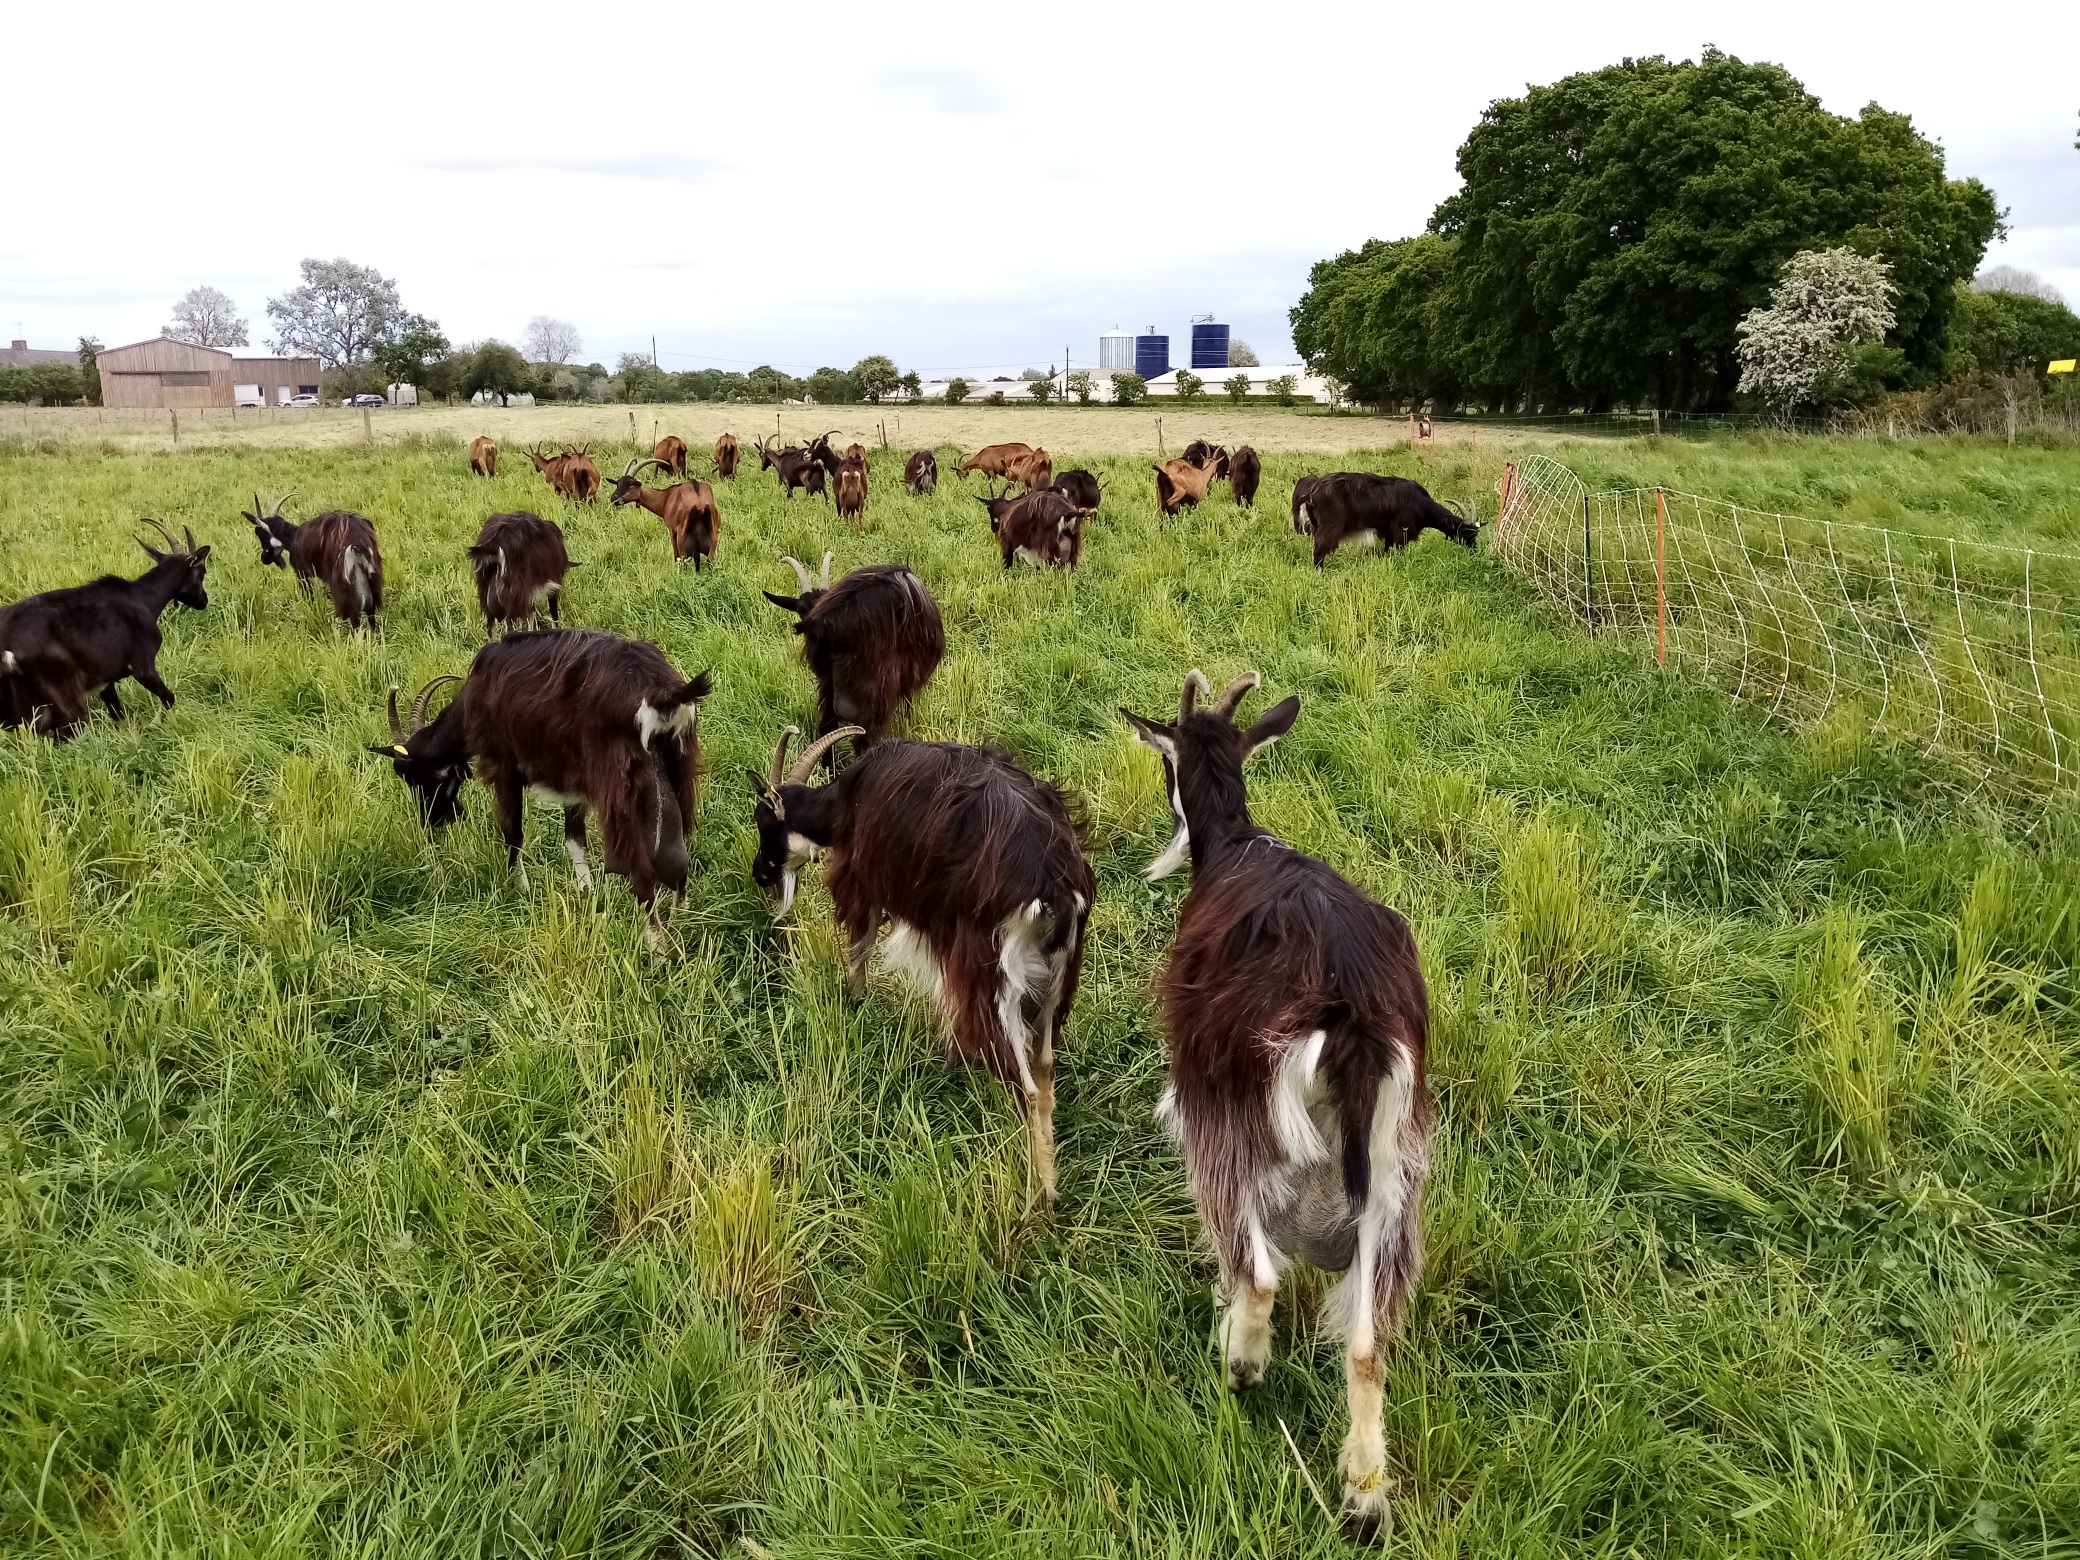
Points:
[[1966, 651]]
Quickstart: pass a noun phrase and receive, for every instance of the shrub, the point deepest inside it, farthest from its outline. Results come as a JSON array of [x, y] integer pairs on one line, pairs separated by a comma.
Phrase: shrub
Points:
[[956, 391], [1128, 389], [1237, 386], [1189, 385], [1082, 386], [1040, 389], [1285, 387]]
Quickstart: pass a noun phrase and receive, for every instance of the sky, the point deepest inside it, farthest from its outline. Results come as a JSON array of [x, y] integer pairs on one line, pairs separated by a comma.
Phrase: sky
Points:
[[966, 189]]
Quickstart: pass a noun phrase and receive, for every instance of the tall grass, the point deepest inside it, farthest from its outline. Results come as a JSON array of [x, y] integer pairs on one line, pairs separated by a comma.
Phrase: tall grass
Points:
[[356, 1199]]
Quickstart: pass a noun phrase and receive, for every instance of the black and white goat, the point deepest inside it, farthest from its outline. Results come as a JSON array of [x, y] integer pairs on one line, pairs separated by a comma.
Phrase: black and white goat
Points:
[[586, 719], [981, 871], [873, 641], [337, 548], [519, 561], [61, 648], [1298, 1023]]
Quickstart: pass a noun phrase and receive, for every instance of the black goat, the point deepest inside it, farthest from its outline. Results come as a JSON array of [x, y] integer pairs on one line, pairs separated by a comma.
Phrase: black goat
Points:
[[1245, 475], [61, 648], [1357, 506], [872, 640]]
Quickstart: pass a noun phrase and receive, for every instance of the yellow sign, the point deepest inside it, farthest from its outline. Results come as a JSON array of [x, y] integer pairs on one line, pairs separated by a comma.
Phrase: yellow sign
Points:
[[2063, 366]]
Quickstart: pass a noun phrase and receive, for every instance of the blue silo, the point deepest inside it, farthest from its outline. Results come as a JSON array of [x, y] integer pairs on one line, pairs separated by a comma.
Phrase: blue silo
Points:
[[1151, 354], [1209, 343]]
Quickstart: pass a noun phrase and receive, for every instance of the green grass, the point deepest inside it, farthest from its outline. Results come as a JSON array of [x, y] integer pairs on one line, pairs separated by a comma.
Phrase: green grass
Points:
[[354, 1200]]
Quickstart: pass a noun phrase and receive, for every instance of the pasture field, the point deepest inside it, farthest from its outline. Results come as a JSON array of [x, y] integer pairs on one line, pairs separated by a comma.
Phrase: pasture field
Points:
[[355, 1200]]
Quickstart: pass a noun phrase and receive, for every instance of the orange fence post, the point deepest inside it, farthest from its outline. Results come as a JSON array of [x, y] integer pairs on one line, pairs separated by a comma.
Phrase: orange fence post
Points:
[[1660, 575]]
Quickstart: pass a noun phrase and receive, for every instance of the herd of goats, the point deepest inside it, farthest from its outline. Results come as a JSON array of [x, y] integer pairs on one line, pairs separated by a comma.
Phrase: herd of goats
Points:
[[1295, 1009]]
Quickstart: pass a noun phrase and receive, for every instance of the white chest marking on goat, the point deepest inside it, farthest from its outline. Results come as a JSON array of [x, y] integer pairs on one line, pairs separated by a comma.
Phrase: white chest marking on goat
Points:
[[1179, 850]]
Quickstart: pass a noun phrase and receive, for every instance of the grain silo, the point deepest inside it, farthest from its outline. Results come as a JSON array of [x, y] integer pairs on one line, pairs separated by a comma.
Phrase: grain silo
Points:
[[1209, 343], [1151, 354], [1116, 352]]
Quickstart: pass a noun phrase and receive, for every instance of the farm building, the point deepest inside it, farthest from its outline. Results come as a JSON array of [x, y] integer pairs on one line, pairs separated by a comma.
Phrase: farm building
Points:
[[19, 354], [163, 372]]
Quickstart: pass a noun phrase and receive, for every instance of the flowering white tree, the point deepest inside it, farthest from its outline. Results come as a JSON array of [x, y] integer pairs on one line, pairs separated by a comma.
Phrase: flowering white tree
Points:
[[208, 318], [1825, 302]]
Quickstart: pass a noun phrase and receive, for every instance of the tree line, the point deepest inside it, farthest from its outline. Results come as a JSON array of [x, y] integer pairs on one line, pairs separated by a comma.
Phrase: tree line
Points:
[[1614, 229]]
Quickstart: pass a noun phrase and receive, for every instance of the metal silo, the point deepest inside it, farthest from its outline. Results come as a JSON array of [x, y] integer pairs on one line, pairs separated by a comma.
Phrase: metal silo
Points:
[[1151, 354], [1116, 352], [1209, 343]]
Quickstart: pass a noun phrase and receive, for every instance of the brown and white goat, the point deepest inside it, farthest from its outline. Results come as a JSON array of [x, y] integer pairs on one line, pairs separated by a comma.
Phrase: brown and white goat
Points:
[[1297, 1023], [1042, 528], [519, 561], [64, 647], [670, 453], [981, 872], [589, 720], [1180, 485], [921, 474], [726, 456], [1245, 476], [337, 548], [873, 641], [483, 456], [686, 508]]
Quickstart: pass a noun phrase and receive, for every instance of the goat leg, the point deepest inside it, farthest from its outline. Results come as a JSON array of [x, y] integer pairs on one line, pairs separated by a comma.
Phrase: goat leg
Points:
[[148, 677], [112, 702], [574, 843]]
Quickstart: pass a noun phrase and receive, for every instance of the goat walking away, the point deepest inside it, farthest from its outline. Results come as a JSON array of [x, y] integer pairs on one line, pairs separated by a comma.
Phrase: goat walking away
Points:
[[585, 719], [686, 508], [873, 641], [981, 872], [726, 456], [1297, 1023], [483, 456], [337, 548], [519, 561], [670, 453], [1245, 475], [1357, 506], [1180, 485], [60, 649]]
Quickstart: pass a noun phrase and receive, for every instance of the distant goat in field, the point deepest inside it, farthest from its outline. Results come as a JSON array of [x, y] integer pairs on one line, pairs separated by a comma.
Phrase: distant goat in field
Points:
[[1298, 1025], [921, 474], [1043, 528], [872, 640], [483, 457], [849, 488], [993, 460], [1180, 485], [337, 548], [519, 561], [1357, 506], [1245, 474], [670, 453], [686, 508], [726, 456], [64, 647]]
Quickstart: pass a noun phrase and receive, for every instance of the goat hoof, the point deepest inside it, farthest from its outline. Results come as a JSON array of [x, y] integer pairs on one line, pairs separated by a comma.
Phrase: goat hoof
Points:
[[1367, 1515], [1244, 1374]]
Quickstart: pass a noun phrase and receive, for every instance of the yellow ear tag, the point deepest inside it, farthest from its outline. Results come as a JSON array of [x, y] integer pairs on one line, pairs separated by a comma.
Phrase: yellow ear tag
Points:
[[401, 752]]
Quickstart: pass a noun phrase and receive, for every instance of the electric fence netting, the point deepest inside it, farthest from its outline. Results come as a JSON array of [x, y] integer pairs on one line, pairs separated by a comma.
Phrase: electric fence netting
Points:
[[1965, 652]]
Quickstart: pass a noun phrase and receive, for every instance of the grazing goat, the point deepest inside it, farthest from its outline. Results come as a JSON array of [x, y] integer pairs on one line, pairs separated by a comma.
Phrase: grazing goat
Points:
[[1032, 471], [337, 547], [571, 474], [1200, 453], [921, 474], [686, 508], [670, 453], [1043, 528], [483, 456], [981, 871], [1180, 485], [1245, 475], [1297, 1022], [61, 648], [872, 640], [586, 719], [849, 488], [794, 466], [519, 562], [1356, 506], [1082, 489], [726, 457], [993, 460]]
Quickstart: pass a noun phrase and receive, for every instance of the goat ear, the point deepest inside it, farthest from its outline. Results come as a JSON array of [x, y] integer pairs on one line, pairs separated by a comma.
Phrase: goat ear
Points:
[[761, 787], [784, 603], [1272, 724], [201, 554], [388, 749], [1154, 733]]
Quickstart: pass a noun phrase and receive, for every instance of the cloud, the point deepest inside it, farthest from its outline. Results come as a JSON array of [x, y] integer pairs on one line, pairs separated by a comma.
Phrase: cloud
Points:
[[957, 93], [655, 167]]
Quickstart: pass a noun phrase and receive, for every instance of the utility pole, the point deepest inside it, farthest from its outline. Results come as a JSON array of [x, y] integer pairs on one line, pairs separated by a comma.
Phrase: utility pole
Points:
[[653, 352]]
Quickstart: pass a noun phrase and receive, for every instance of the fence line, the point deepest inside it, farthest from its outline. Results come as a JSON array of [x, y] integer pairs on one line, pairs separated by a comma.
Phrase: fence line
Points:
[[1966, 651]]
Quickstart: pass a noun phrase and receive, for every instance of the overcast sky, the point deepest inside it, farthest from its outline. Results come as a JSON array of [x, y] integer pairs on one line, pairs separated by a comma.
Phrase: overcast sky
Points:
[[962, 187]]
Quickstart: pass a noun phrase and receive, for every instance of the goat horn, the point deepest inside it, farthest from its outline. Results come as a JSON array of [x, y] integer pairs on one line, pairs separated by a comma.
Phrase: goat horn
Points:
[[825, 583], [801, 573], [780, 756], [631, 470], [426, 697], [171, 540], [188, 531], [397, 732], [1195, 683], [804, 765], [1235, 692]]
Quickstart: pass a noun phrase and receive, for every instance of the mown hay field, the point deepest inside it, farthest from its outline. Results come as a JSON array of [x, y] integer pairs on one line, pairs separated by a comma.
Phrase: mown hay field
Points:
[[356, 1199]]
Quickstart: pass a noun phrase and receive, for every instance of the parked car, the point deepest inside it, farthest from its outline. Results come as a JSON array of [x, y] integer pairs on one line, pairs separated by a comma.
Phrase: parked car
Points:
[[301, 400], [364, 399]]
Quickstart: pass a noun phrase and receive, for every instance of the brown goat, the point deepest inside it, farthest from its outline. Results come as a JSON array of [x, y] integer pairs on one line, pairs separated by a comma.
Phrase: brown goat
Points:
[[1043, 528], [337, 547], [686, 508], [921, 474], [1245, 474], [993, 460], [1180, 485], [571, 474], [483, 456], [849, 488], [872, 640], [670, 453], [726, 457], [519, 562], [1032, 471], [858, 452]]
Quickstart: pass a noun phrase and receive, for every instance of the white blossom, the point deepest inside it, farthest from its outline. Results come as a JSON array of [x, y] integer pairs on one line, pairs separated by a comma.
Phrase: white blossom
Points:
[[1825, 301]]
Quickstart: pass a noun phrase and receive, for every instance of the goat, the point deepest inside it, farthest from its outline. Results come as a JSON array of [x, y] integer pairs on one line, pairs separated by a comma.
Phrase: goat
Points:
[[1200, 453], [857, 451], [586, 719], [921, 474], [519, 561], [1297, 1024], [1348, 506], [61, 648], [873, 641], [980, 869], [686, 508], [1180, 485], [1032, 471], [571, 475], [993, 460], [483, 456], [337, 547], [849, 488], [1082, 489], [794, 467], [1245, 475], [1042, 528], [819, 450], [670, 453], [726, 457]]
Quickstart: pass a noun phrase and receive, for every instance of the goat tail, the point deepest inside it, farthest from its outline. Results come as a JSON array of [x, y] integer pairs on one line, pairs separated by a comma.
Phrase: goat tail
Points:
[[1354, 1057]]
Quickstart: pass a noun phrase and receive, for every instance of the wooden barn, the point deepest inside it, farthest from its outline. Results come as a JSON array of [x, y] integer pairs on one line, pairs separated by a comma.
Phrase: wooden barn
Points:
[[163, 372]]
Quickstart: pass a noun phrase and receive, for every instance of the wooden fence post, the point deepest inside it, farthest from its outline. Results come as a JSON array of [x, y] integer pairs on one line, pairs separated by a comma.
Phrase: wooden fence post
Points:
[[176, 416]]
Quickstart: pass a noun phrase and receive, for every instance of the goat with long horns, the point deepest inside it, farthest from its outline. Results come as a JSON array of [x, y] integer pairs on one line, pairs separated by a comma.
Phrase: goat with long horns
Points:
[[980, 871], [337, 549], [687, 509], [873, 641]]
